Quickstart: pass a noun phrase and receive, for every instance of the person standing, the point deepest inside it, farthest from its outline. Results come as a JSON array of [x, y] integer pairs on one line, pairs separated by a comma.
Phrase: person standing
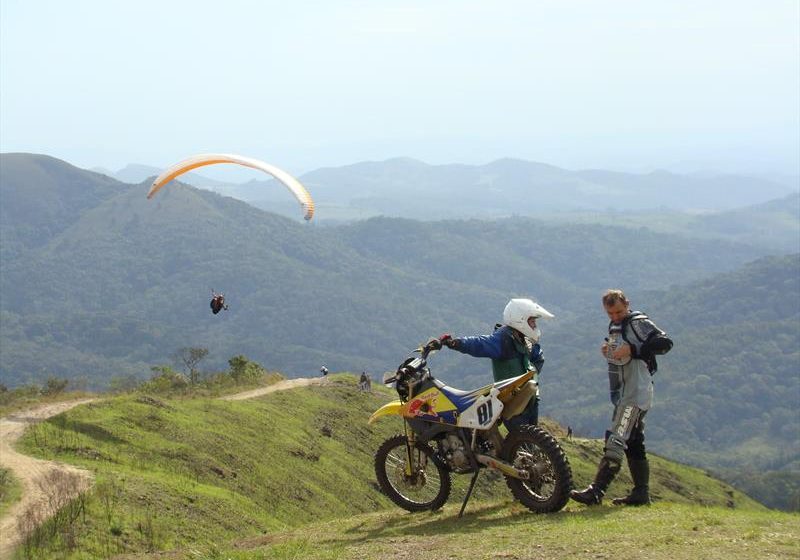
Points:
[[513, 348], [630, 349]]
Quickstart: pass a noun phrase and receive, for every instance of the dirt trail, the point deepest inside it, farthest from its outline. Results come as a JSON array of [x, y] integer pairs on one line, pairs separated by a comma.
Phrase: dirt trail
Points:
[[279, 386], [28, 471]]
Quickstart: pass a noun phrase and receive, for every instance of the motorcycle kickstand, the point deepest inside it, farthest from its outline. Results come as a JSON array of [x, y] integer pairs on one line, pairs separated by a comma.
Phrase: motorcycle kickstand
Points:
[[469, 492]]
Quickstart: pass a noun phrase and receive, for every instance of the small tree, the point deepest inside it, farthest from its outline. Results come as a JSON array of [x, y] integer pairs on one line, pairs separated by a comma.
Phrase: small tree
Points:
[[54, 386], [190, 357], [238, 367], [164, 379], [243, 370]]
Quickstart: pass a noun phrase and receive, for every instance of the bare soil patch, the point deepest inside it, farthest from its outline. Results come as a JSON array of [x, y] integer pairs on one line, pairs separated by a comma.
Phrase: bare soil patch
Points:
[[35, 475]]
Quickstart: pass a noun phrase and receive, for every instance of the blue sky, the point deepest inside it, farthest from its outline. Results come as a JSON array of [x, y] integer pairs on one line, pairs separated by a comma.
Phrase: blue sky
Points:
[[626, 85]]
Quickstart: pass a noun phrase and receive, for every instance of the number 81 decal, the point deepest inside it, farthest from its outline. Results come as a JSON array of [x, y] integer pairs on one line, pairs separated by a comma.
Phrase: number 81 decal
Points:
[[485, 413]]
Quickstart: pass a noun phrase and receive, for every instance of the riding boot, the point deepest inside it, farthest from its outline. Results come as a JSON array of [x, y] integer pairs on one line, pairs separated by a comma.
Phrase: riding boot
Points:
[[593, 494], [640, 495]]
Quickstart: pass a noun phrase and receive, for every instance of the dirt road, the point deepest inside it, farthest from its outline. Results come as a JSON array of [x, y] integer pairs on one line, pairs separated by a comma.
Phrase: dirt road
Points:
[[279, 386], [30, 471]]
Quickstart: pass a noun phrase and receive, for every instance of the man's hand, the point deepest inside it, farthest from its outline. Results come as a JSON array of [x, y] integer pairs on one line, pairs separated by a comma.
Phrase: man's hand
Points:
[[622, 353], [447, 340]]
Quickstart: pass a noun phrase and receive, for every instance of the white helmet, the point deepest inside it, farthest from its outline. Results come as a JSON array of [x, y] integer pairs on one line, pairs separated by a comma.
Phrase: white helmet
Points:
[[517, 313]]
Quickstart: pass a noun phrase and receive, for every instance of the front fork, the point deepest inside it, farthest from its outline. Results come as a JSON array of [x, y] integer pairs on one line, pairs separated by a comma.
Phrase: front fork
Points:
[[411, 444]]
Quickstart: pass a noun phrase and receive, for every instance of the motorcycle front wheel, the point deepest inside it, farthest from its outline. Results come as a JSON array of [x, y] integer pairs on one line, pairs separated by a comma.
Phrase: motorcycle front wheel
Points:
[[550, 477], [424, 486]]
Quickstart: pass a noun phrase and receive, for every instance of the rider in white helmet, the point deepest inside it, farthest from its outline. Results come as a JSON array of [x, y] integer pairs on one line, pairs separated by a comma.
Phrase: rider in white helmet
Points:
[[521, 314], [513, 348]]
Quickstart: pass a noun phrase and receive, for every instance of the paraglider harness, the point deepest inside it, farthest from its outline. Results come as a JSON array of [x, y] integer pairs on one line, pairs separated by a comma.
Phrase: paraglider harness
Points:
[[217, 302], [652, 340]]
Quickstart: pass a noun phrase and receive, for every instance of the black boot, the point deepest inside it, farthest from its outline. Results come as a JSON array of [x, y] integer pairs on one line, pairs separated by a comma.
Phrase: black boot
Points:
[[593, 494], [640, 495]]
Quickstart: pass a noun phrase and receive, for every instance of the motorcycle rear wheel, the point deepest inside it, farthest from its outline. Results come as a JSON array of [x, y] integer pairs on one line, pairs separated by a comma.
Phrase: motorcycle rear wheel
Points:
[[535, 450], [428, 486]]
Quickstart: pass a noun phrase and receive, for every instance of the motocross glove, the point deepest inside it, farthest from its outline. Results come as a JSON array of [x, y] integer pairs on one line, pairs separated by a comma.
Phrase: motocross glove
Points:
[[449, 341], [434, 344]]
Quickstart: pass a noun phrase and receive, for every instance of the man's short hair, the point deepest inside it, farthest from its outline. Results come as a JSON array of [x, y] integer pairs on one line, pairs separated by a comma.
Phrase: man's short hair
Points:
[[612, 297]]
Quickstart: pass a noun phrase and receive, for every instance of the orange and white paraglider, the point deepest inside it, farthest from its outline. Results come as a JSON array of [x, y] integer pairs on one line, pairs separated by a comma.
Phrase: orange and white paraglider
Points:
[[294, 186]]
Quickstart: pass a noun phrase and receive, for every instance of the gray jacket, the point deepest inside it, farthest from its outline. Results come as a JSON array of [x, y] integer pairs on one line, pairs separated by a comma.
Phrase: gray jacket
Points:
[[631, 383]]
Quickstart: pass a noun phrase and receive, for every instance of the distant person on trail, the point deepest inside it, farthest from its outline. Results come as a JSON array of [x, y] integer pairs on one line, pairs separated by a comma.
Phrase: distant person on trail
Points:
[[631, 348], [363, 381], [513, 348], [569, 432], [217, 302]]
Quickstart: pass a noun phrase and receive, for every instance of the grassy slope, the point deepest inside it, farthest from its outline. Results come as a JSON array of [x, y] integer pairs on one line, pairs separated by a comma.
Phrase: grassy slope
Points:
[[10, 490], [666, 531], [188, 473], [31, 397]]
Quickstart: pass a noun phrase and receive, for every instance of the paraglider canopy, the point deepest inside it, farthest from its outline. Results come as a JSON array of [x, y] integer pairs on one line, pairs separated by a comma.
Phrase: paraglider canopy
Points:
[[294, 186]]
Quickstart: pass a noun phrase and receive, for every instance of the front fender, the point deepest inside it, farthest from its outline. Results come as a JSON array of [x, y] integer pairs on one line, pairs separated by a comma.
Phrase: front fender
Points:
[[394, 407]]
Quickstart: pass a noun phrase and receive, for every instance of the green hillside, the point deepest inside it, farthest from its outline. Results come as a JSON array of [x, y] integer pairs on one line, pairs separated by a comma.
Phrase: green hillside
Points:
[[666, 531], [756, 306], [193, 473], [772, 225], [42, 196], [10, 490]]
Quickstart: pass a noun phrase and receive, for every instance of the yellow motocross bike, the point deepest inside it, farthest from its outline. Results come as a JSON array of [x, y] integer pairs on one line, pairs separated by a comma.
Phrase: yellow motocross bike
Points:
[[451, 431]]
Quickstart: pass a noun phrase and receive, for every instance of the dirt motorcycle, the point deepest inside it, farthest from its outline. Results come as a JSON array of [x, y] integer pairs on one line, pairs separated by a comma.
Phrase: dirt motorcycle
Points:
[[447, 430]]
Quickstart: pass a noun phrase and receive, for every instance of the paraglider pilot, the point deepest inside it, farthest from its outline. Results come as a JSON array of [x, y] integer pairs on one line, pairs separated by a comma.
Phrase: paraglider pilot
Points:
[[217, 302]]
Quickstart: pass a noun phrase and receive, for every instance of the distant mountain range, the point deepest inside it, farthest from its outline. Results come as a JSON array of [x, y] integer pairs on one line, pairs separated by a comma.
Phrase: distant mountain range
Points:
[[98, 282], [405, 187], [136, 173]]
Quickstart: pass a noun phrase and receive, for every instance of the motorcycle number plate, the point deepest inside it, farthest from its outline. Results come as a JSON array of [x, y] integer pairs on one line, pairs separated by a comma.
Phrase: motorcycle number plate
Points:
[[483, 413]]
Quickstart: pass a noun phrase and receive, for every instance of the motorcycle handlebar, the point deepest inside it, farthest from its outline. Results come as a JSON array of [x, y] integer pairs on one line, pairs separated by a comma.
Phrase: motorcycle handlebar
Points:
[[434, 344], [404, 370]]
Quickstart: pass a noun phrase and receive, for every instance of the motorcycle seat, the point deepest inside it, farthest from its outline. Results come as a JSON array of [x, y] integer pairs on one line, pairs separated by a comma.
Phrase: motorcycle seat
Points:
[[506, 382], [459, 392]]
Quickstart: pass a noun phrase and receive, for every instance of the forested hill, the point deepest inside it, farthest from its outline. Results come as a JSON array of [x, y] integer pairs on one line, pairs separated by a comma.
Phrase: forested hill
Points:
[[741, 336], [116, 283], [41, 196]]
